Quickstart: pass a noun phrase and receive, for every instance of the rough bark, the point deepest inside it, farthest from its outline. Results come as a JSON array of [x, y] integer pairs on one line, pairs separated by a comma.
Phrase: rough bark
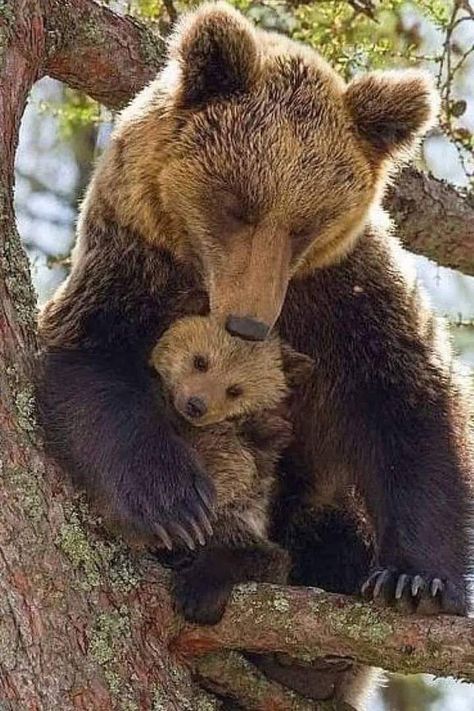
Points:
[[83, 625], [434, 219]]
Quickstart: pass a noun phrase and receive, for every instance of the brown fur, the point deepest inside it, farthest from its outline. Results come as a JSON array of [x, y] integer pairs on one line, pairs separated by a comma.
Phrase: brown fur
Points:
[[238, 439], [247, 180], [225, 436]]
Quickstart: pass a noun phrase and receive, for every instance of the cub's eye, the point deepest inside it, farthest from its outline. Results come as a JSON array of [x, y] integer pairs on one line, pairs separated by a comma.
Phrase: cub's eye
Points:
[[234, 391], [201, 363]]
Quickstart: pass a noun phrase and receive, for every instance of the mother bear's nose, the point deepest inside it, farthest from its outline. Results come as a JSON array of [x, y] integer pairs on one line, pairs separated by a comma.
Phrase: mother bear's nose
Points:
[[247, 328]]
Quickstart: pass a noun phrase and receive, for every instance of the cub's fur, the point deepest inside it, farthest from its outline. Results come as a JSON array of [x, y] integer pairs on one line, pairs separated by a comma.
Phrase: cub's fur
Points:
[[229, 396]]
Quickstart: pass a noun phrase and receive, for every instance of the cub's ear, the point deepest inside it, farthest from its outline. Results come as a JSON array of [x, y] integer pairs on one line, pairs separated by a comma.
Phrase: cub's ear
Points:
[[298, 367], [217, 54], [392, 110]]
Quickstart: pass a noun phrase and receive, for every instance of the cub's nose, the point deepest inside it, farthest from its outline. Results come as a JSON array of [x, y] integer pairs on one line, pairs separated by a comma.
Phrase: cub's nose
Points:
[[247, 328], [195, 407]]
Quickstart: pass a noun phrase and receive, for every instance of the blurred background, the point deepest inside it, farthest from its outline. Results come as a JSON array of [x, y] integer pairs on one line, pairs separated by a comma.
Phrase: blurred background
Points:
[[63, 132]]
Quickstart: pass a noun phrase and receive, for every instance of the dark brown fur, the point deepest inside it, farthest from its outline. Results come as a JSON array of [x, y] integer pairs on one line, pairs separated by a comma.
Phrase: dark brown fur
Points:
[[247, 179]]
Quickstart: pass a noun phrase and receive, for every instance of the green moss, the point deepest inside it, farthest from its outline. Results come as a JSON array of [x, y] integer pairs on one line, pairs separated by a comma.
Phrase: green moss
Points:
[[123, 575], [152, 48], [26, 409], [109, 637], [6, 11], [23, 400], [364, 622], [26, 488], [280, 602], [359, 621], [205, 702], [91, 33], [159, 703], [110, 630], [84, 557]]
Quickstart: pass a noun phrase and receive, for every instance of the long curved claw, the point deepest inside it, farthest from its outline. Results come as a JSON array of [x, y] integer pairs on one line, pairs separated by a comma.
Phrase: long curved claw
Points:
[[400, 586], [162, 534], [183, 534]]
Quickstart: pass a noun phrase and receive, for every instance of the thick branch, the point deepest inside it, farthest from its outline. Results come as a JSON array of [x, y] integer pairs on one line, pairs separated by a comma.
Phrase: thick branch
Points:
[[307, 623], [105, 55], [434, 219]]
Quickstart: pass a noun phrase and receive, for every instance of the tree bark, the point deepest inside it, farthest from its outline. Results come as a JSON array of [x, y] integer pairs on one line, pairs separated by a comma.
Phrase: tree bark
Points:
[[84, 625], [434, 219]]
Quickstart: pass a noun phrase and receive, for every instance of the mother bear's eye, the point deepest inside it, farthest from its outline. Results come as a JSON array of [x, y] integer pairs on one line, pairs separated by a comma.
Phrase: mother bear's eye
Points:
[[301, 237], [239, 214], [235, 210]]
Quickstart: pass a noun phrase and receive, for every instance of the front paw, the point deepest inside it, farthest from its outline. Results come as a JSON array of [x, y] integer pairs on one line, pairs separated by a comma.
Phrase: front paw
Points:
[[169, 499], [425, 595], [200, 597]]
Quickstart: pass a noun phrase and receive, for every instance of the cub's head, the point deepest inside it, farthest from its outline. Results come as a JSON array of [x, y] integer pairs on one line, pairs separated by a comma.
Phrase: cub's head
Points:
[[212, 376], [262, 163]]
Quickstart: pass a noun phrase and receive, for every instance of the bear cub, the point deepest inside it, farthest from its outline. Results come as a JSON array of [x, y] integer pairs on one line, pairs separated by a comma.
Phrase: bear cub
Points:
[[228, 399]]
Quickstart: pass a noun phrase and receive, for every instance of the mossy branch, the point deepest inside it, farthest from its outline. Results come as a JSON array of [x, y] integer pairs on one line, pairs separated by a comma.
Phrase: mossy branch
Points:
[[306, 623]]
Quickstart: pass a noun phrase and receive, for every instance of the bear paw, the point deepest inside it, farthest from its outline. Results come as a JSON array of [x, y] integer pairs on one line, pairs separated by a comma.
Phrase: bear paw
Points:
[[200, 598], [416, 593]]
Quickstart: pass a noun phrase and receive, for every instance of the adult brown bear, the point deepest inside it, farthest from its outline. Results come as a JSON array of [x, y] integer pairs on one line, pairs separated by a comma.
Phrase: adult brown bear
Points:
[[250, 174]]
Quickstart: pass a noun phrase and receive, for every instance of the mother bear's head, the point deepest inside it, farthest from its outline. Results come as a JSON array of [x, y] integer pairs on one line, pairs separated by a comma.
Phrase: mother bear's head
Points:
[[251, 157]]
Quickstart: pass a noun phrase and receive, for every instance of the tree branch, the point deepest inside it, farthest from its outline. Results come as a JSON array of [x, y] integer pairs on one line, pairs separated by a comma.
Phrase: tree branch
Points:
[[80, 625], [93, 49], [434, 219], [231, 675], [308, 623]]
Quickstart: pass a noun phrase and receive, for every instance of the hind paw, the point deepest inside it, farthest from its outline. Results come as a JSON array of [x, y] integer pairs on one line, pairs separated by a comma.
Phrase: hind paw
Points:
[[416, 593], [199, 599]]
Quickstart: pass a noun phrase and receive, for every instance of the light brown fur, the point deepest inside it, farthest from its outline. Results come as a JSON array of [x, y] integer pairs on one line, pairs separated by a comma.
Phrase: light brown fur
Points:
[[255, 368], [224, 436]]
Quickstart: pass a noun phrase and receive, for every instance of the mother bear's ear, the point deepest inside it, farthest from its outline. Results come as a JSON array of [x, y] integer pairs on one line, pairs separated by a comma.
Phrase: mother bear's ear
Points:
[[216, 52], [392, 110]]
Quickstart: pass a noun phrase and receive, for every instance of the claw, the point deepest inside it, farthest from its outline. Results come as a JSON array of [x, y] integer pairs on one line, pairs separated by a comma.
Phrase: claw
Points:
[[204, 520], [436, 587], [162, 533], [369, 581], [205, 497], [380, 582], [199, 534], [183, 534], [400, 586], [417, 584]]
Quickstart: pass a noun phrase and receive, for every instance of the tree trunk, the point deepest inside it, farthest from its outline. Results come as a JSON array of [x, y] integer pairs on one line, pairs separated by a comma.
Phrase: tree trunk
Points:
[[84, 625]]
